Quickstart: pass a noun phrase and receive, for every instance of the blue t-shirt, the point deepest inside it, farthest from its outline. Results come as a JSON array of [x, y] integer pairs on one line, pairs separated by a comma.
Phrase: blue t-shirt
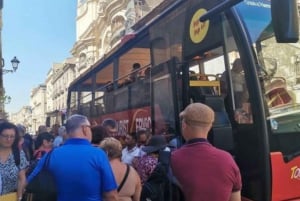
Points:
[[82, 172]]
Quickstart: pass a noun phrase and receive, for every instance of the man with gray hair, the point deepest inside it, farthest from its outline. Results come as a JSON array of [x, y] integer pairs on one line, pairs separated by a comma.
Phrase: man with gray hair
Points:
[[204, 172], [59, 139], [82, 172]]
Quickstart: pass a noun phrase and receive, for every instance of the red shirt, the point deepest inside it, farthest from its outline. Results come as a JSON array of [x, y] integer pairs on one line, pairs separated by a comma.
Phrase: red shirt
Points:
[[38, 154], [205, 172]]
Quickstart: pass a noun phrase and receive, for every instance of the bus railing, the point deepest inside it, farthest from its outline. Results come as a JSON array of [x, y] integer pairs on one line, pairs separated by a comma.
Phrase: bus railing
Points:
[[202, 80]]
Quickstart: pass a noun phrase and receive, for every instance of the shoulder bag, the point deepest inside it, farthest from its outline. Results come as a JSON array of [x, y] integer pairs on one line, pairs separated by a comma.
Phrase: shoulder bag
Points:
[[42, 186], [124, 178]]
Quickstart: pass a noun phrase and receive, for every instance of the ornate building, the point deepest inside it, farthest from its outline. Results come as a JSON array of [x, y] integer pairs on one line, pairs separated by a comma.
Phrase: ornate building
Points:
[[101, 24], [58, 79], [38, 106]]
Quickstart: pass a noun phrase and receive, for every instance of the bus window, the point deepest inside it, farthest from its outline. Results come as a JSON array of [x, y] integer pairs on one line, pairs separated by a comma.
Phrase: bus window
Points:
[[280, 74], [163, 100], [215, 80], [242, 110]]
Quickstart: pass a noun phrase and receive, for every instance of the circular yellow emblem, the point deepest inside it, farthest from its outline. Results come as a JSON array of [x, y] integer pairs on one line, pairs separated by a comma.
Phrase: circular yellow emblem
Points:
[[198, 30]]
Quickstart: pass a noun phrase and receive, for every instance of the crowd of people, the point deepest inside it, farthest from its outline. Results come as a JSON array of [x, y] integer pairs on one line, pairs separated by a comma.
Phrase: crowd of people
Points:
[[89, 164]]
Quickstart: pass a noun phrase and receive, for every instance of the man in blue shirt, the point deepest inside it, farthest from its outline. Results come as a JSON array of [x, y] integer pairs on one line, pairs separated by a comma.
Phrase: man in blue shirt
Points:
[[82, 172]]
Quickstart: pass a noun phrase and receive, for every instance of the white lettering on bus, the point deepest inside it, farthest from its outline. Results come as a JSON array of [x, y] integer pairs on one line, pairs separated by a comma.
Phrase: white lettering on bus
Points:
[[123, 127], [142, 123]]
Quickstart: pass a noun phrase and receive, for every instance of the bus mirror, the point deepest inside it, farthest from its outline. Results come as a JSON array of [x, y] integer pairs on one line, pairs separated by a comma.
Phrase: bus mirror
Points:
[[285, 20]]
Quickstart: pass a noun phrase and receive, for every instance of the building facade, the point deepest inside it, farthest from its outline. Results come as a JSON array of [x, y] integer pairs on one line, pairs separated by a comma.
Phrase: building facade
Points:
[[23, 117], [58, 80], [101, 24], [38, 103]]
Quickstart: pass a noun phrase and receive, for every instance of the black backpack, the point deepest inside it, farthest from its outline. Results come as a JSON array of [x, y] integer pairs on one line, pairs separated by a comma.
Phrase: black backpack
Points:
[[159, 185]]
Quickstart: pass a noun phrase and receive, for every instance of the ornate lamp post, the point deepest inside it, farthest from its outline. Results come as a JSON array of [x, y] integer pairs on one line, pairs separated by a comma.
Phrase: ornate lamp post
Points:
[[4, 99]]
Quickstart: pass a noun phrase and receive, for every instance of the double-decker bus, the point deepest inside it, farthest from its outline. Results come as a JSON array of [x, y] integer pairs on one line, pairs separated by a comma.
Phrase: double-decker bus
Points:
[[240, 58]]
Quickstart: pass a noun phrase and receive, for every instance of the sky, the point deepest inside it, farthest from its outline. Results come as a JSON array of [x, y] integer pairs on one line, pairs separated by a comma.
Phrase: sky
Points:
[[39, 33]]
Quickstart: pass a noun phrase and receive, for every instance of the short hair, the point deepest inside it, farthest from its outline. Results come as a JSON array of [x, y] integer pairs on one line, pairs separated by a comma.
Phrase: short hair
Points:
[[21, 129], [98, 134], [74, 122], [133, 135], [136, 65], [141, 132], [198, 114], [42, 129], [41, 137], [109, 122], [61, 130], [7, 125], [112, 147]]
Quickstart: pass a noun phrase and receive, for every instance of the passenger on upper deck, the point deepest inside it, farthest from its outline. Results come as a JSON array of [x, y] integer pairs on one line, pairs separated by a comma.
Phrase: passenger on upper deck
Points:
[[135, 73], [147, 73]]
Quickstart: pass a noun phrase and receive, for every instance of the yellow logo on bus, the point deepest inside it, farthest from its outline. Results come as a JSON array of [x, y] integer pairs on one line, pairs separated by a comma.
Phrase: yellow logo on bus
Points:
[[295, 172], [198, 30]]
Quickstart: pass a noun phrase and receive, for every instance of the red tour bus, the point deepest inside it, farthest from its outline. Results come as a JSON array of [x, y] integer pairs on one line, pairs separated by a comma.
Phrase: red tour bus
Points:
[[240, 58]]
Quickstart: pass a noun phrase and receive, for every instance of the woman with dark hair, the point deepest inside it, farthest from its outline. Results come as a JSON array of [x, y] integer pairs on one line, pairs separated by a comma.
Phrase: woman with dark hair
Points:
[[12, 160], [44, 144]]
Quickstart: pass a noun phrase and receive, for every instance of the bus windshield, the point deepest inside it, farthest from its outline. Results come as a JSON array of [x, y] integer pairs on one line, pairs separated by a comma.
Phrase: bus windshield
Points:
[[278, 65]]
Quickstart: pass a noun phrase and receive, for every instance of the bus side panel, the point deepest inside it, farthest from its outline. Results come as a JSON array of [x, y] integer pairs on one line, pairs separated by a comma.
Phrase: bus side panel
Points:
[[285, 178], [134, 120]]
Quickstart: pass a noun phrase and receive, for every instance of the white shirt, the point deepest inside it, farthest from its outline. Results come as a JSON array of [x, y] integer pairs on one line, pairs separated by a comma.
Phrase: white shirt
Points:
[[129, 155], [58, 141]]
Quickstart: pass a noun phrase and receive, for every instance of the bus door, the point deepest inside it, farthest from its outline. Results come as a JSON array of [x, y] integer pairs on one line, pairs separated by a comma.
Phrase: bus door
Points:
[[217, 76], [164, 99]]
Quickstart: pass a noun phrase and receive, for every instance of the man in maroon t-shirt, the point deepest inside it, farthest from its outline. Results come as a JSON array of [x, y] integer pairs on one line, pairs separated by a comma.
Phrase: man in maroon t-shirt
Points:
[[204, 172]]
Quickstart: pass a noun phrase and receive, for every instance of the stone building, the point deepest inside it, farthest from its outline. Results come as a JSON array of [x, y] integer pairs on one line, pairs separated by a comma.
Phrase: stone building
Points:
[[38, 103], [23, 117], [101, 24], [58, 79]]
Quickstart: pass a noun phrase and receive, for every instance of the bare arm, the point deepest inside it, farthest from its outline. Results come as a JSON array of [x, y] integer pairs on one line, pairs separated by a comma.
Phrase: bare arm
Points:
[[110, 196], [235, 196], [138, 188], [21, 183]]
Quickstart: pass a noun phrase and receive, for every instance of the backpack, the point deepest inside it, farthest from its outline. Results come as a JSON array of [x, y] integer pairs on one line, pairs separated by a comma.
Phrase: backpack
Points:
[[159, 185], [33, 163]]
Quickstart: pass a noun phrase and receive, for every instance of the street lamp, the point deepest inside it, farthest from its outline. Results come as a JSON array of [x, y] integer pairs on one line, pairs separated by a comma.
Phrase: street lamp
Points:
[[14, 62], [4, 99]]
